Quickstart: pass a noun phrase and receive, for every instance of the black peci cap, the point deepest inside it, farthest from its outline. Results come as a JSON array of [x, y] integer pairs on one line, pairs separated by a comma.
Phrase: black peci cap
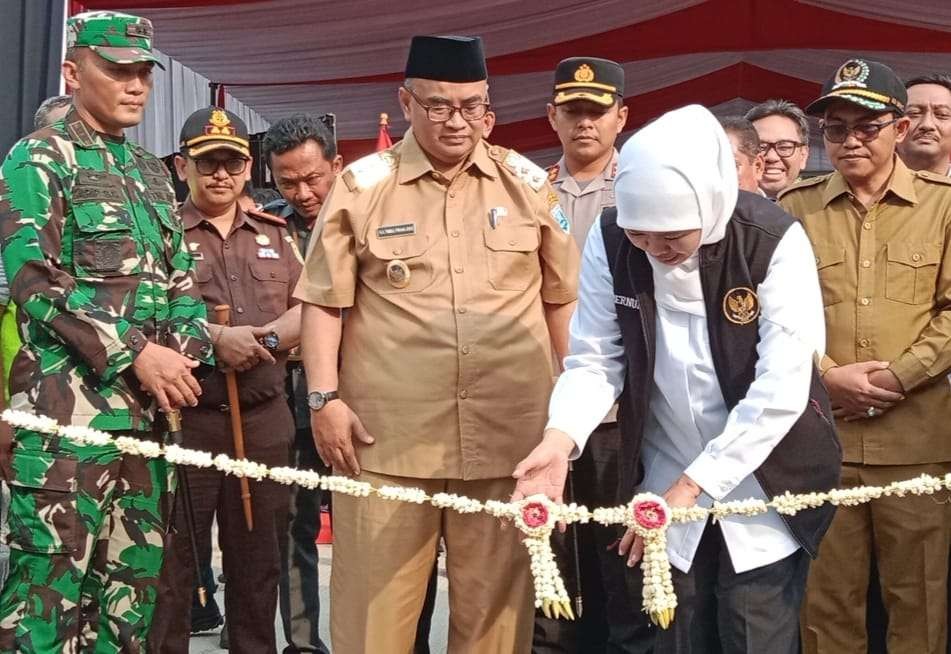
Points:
[[868, 84], [588, 78], [213, 128], [457, 59]]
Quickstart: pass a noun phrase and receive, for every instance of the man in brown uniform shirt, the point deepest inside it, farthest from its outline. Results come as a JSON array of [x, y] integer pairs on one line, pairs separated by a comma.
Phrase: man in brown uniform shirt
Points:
[[247, 261], [882, 239], [454, 261]]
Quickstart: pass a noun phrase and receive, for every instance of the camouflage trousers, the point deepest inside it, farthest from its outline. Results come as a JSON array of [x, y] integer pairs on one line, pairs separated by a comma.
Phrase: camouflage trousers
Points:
[[87, 526]]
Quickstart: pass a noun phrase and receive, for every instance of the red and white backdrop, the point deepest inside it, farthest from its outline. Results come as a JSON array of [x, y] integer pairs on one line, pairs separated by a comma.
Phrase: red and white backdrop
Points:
[[346, 58]]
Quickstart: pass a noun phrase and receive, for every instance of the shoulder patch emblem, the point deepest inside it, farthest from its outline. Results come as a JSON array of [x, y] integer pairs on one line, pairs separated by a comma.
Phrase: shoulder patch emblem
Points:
[[369, 171], [525, 170], [740, 305]]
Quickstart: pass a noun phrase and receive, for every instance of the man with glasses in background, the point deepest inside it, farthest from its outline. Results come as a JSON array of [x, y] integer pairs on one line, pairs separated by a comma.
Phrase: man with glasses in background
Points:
[[454, 262], [244, 259], [880, 234], [784, 142]]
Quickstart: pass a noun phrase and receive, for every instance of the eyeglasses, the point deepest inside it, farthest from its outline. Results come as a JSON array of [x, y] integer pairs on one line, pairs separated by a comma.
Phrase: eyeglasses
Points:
[[442, 113], [208, 166], [783, 149], [864, 132]]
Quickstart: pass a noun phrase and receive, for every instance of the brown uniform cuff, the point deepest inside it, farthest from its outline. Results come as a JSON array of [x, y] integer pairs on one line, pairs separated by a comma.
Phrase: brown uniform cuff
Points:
[[910, 371], [826, 364]]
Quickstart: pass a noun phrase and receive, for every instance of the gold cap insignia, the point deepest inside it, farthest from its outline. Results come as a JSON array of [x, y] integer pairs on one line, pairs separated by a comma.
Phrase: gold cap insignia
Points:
[[397, 272], [740, 305], [584, 73], [262, 239], [219, 123], [854, 72]]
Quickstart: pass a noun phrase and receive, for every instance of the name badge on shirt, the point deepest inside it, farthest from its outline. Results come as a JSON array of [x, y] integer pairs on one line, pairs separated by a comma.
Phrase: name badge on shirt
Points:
[[404, 229], [195, 252], [268, 253]]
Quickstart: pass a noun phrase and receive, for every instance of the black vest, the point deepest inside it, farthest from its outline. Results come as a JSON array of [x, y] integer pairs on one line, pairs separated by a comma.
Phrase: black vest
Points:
[[809, 457]]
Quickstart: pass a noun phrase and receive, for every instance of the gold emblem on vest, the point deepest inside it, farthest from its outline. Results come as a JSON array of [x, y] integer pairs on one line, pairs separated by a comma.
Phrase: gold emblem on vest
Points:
[[740, 305], [398, 273]]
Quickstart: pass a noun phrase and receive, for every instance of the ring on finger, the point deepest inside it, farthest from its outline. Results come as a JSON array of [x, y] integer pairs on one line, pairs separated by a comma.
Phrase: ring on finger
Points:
[[871, 412]]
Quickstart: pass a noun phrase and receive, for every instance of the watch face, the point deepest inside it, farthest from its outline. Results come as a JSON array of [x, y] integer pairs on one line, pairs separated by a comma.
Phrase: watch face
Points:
[[316, 400], [271, 341]]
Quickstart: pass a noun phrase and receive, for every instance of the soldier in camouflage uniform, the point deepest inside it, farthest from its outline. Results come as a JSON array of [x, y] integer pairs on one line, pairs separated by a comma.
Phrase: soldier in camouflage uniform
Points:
[[113, 326]]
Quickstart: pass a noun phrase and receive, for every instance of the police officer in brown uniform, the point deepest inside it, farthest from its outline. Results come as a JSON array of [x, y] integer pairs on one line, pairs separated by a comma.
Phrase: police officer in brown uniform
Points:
[[454, 262], [587, 112], [245, 260]]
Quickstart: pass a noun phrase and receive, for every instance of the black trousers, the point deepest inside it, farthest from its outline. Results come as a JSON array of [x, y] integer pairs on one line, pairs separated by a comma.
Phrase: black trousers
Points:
[[722, 612], [612, 621], [299, 591]]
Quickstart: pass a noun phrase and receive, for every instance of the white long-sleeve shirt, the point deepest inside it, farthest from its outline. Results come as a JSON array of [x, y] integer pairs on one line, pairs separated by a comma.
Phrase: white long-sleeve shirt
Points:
[[688, 429]]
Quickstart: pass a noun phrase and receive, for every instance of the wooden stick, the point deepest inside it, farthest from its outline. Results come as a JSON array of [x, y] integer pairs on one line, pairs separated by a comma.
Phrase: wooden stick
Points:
[[223, 317]]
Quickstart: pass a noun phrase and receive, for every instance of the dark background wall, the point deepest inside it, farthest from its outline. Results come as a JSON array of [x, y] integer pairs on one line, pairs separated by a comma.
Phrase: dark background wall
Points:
[[31, 41]]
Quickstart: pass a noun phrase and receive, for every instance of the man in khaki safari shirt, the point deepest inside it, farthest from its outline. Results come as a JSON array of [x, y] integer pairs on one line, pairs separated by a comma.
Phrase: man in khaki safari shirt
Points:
[[881, 238], [453, 261]]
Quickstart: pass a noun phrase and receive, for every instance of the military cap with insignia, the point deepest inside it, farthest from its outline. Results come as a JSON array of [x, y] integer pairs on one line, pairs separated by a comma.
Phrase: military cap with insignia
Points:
[[457, 59], [865, 83], [213, 128], [119, 38], [588, 78]]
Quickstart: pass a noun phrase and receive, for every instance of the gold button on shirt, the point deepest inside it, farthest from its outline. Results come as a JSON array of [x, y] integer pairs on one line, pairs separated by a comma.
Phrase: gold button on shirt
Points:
[[885, 273], [445, 354]]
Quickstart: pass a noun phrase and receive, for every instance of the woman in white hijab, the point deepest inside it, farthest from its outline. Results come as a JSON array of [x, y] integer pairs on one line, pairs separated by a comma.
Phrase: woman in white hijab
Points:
[[730, 282]]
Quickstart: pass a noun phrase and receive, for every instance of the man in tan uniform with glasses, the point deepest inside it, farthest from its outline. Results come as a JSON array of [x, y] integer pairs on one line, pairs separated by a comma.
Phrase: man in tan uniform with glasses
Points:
[[454, 261]]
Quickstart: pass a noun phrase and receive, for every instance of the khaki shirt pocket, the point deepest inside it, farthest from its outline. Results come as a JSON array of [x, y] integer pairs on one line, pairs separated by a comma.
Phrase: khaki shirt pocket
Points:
[[44, 516], [912, 271], [270, 286], [830, 261], [512, 256], [398, 264]]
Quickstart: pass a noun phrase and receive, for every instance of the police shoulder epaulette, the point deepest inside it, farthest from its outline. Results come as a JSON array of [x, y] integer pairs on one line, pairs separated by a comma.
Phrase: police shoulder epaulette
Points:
[[266, 217], [370, 170], [804, 183], [522, 167], [933, 177]]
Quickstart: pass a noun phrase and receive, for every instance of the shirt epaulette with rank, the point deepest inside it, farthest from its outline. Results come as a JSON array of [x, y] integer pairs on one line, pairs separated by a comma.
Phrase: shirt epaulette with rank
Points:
[[370, 170], [932, 176], [804, 183], [266, 217], [522, 167]]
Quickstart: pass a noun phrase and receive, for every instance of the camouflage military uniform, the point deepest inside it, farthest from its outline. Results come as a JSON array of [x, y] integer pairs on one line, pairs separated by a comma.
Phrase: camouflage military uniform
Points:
[[98, 268]]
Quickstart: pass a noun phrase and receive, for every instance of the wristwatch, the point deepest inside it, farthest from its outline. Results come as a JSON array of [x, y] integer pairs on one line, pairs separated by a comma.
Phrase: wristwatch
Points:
[[271, 341], [317, 400]]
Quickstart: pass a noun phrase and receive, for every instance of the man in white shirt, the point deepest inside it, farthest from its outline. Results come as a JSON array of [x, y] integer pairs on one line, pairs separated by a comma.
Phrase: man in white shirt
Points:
[[700, 309]]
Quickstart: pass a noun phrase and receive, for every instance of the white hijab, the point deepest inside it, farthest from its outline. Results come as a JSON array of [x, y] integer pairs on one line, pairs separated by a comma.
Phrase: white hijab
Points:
[[675, 174]]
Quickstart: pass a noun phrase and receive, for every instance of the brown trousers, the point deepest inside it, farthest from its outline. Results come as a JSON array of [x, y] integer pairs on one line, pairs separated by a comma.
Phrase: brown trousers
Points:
[[251, 560], [910, 538], [383, 557]]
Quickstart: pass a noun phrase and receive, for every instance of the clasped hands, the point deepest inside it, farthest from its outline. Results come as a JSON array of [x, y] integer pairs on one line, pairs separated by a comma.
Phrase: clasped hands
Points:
[[862, 390]]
